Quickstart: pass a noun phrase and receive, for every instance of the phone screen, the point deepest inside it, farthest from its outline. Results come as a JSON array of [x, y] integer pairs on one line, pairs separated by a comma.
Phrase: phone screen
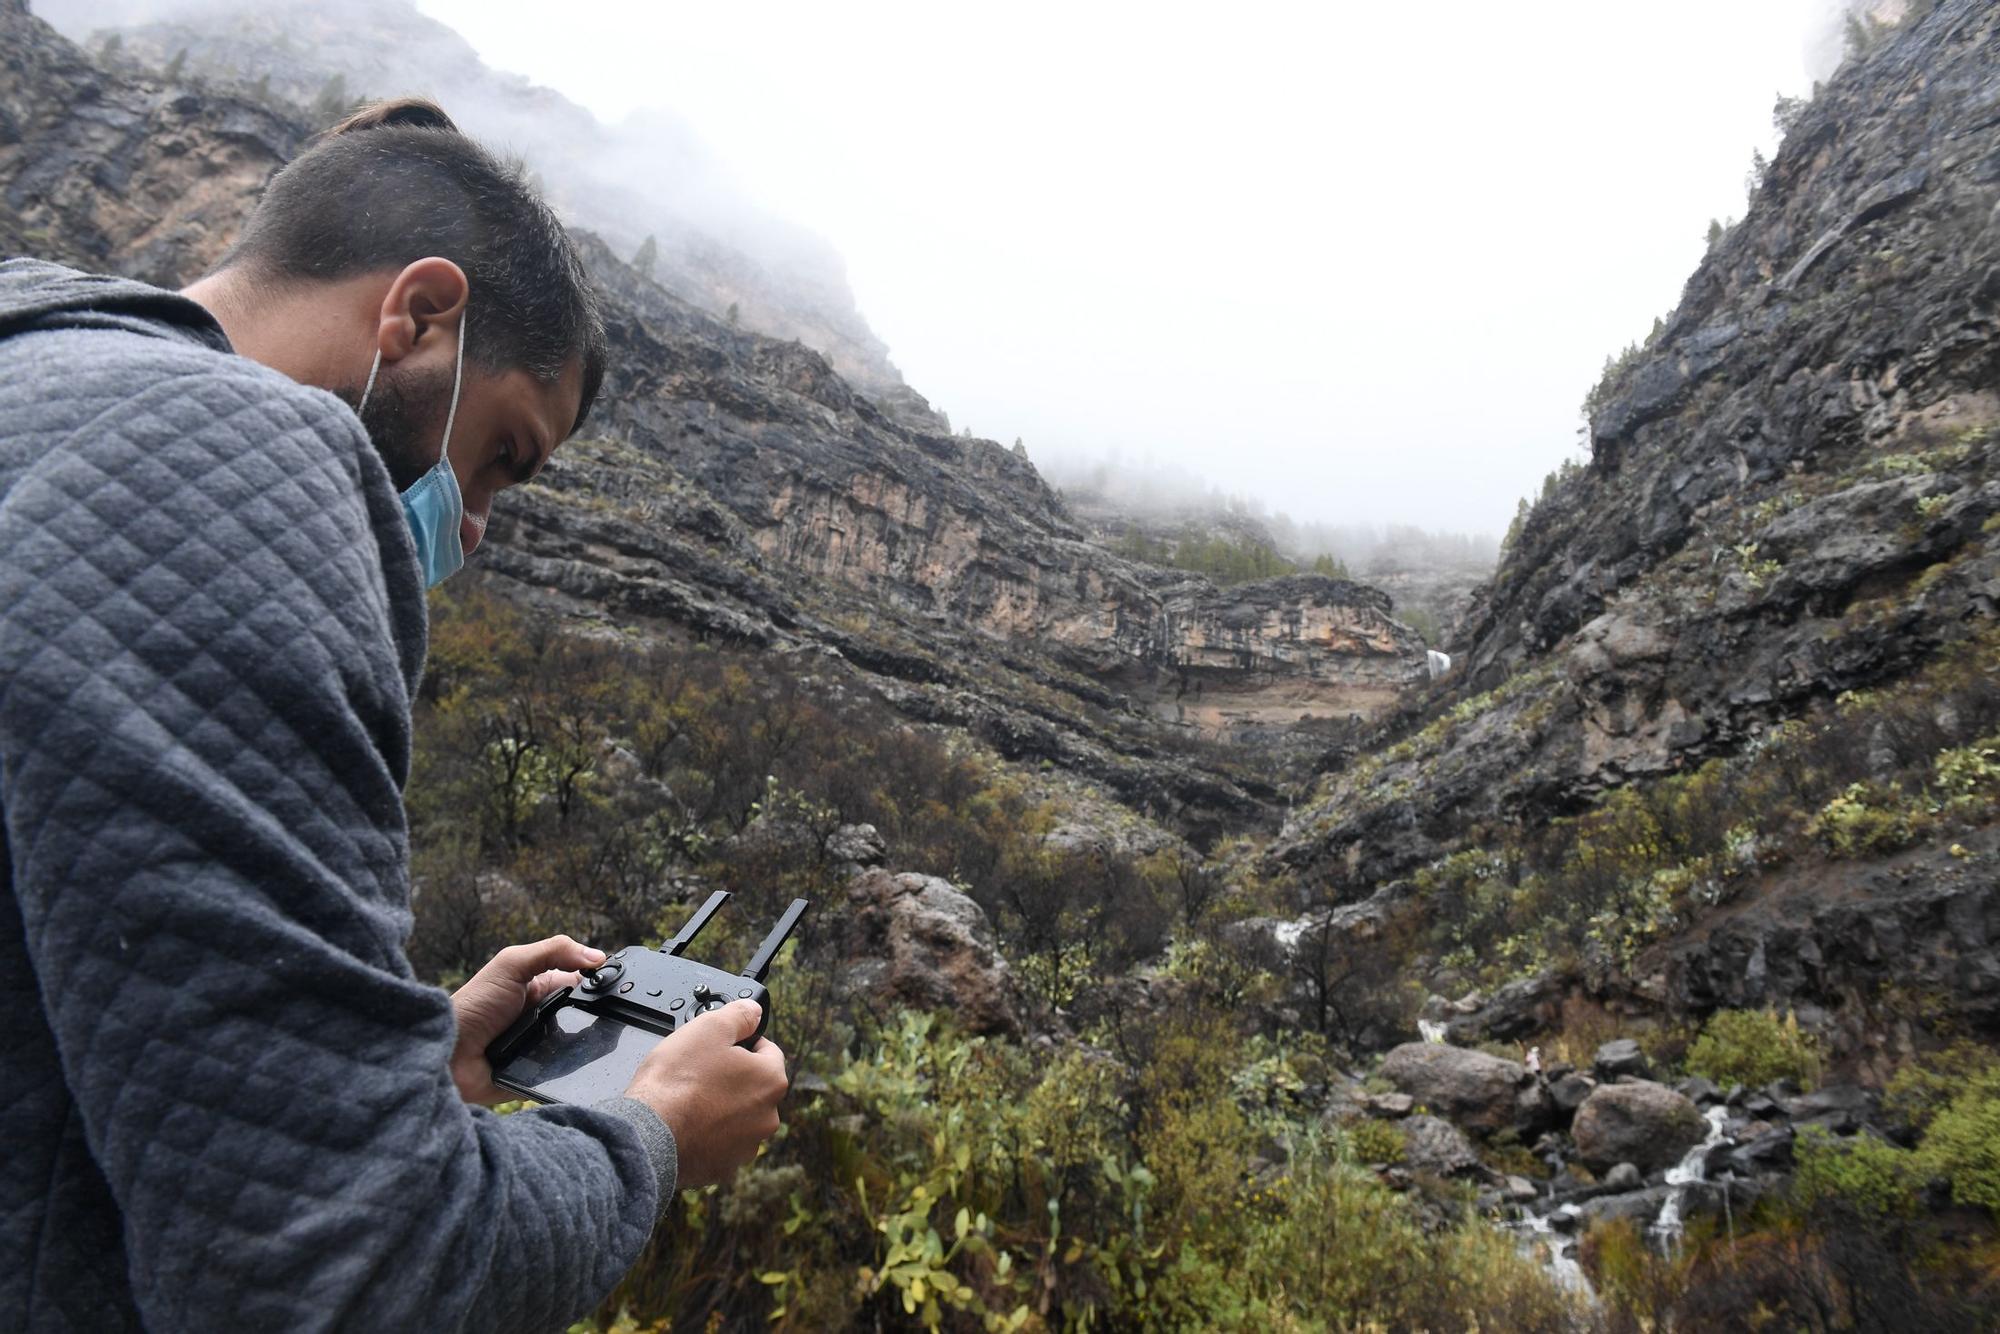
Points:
[[574, 1055]]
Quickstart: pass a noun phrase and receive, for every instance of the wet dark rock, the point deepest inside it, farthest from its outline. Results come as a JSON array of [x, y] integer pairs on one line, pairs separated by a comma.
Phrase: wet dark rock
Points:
[[1699, 1091], [1842, 1109], [1620, 1057], [1636, 1122], [1515, 1011], [1568, 1092], [1762, 1106], [1770, 1151], [1638, 1206], [1568, 1185]]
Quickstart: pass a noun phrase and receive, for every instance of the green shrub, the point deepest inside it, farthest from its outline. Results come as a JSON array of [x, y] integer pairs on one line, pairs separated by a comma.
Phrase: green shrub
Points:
[[1864, 820], [1924, 1087], [1373, 1141], [1754, 1047], [1962, 1146], [1967, 777], [1862, 1175]]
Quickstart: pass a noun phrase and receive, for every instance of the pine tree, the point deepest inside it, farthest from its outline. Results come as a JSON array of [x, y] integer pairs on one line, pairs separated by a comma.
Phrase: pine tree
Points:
[[647, 255], [1514, 528], [174, 67]]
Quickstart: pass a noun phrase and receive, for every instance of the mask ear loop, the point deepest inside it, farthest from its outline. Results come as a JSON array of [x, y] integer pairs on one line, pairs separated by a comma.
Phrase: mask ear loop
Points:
[[457, 377], [451, 414], [369, 388]]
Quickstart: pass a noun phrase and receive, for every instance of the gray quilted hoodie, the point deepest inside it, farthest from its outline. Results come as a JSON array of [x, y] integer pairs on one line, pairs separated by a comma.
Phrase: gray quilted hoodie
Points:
[[224, 1101]]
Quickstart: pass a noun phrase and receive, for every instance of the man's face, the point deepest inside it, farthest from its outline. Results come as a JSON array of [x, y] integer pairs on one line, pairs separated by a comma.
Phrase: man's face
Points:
[[507, 426]]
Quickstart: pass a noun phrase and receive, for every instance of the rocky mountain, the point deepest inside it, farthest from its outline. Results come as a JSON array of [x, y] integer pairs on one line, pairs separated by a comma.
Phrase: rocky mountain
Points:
[[741, 486], [1781, 557], [649, 178], [1688, 874]]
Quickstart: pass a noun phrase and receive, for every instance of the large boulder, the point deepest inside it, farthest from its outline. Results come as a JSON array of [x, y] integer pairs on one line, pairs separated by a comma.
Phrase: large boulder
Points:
[[1473, 1089], [1438, 1147], [919, 941], [1637, 1122]]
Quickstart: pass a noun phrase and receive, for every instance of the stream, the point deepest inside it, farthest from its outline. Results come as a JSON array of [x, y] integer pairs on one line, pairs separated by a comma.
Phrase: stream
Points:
[[1546, 1230]]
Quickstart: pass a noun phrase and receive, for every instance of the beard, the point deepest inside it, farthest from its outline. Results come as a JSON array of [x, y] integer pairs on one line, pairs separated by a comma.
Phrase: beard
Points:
[[404, 419]]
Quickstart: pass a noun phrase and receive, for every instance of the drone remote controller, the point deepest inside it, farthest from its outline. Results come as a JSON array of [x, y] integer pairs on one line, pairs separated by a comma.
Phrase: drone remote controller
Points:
[[584, 1043]]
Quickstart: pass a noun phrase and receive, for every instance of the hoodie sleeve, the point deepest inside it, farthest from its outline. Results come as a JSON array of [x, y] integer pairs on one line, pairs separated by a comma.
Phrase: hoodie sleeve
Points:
[[204, 729]]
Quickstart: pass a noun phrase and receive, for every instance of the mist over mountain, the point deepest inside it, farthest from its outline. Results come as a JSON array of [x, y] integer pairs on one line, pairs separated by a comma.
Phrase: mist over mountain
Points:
[[1159, 511], [1178, 911], [645, 179]]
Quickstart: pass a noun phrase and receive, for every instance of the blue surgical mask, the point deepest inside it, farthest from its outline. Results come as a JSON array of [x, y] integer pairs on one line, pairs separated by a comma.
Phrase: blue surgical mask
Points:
[[432, 505]]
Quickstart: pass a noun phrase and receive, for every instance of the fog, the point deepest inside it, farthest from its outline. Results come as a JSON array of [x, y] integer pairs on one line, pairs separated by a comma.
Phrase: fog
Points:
[[1357, 263], [648, 175]]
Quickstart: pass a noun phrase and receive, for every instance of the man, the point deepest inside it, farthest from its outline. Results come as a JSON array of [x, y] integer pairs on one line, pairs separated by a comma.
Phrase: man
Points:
[[229, 1104]]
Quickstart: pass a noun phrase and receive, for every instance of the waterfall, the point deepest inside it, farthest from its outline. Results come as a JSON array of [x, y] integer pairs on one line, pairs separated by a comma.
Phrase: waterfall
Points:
[[1667, 1228], [1539, 1240]]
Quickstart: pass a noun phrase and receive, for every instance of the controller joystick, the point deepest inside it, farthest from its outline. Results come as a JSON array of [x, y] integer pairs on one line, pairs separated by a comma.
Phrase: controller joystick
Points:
[[584, 1043]]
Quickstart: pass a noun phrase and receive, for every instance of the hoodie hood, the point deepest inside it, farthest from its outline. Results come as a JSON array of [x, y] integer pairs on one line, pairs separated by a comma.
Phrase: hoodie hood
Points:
[[36, 296]]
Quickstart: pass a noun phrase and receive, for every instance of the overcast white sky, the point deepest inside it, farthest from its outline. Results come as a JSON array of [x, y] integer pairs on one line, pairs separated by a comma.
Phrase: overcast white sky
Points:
[[1360, 261]]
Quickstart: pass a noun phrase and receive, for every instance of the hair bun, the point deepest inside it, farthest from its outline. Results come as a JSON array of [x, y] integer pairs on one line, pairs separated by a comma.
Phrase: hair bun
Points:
[[415, 112]]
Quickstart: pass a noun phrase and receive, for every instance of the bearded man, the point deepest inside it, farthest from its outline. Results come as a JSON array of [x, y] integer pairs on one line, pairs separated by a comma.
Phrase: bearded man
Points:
[[231, 1104]]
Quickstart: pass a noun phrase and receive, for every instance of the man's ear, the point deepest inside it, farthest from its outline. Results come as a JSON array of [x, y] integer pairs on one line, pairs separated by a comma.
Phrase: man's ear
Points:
[[424, 301]]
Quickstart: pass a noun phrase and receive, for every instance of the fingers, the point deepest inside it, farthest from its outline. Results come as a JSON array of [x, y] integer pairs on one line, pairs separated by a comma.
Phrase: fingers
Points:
[[519, 963], [739, 1019], [772, 1057], [547, 984]]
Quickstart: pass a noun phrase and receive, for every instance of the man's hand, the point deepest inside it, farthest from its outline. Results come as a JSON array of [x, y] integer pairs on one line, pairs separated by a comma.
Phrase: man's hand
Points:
[[519, 976], [720, 1101]]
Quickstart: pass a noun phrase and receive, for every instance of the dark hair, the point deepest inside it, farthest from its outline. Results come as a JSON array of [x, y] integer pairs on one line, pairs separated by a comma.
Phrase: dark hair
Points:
[[395, 182]]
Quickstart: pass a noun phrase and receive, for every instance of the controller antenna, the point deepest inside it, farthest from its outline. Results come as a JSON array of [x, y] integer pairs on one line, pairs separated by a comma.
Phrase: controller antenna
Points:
[[760, 962], [679, 943]]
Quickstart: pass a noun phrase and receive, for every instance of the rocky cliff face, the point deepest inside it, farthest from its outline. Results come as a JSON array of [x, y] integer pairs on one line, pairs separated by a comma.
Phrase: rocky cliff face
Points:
[[956, 541], [1792, 489], [128, 174], [740, 485]]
